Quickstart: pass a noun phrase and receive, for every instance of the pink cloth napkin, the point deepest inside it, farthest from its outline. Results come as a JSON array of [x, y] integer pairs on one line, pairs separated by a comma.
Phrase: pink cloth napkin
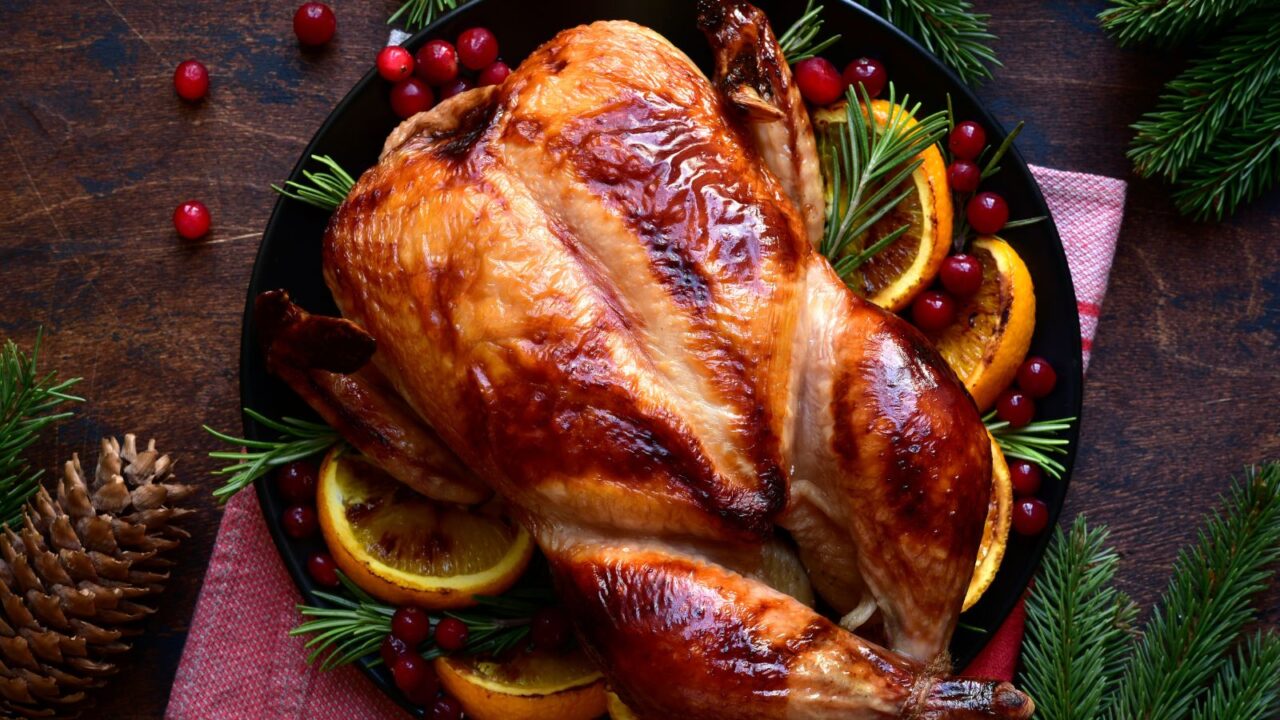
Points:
[[239, 661]]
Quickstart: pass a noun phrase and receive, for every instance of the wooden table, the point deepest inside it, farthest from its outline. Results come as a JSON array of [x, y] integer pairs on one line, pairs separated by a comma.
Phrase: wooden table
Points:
[[97, 151]]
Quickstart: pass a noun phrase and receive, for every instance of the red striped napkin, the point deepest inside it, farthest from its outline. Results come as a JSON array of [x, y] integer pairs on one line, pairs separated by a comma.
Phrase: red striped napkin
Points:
[[239, 661]]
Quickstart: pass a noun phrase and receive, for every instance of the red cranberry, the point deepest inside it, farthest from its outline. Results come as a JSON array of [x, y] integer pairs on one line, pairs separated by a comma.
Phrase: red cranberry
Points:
[[314, 23], [477, 48], [494, 74], [819, 81], [415, 678], [1036, 377], [191, 80], [964, 176], [868, 73], [933, 310], [394, 63], [1030, 516], [1015, 408], [1025, 477], [411, 625], [391, 650], [297, 481], [451, 634], [446, 708], [411, 96], [437, 62], [460, 85], [549, 629], [300, 522], [987, 212], [961, 275], [191, 219], [323, 569], [967, 140]]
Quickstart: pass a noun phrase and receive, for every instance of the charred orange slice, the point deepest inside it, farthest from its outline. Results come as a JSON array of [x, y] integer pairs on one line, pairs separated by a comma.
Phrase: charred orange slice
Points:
[[405, 549], [995, 534], [530, 686], [992, 331]]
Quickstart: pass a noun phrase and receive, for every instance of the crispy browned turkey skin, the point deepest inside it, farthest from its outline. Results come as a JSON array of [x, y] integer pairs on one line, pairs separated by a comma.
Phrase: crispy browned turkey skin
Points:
[[594, 288]]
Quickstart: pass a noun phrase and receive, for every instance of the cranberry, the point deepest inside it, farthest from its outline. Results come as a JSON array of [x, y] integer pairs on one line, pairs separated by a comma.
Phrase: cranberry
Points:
[[300, 522], [191, 219], [437, 62], [1030, 516], [1025, 477], [933, 310], [961, 275], [391, 650], [411, 625], [451, 634], [967, 140], [394, 63], [987, 212], [819, 81], [963, 176], [868, 73], [415, 678], [1036, 377], [297, 481], [460, 85], [494, 74], [323, 569], [1015, 408], [191, 80], [549, 629], [314, 23], [411, 96], [477, 48], [446, 708]]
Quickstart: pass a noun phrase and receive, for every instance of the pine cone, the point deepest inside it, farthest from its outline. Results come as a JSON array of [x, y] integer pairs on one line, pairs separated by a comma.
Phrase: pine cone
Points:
[[79, 575]]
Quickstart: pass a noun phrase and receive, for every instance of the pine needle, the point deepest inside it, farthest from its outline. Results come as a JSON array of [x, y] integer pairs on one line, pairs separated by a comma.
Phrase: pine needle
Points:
[[800, 41], [951, 30], [1035, 442], [418, 14], [1249, 688], [298, 440], [1244, 163], [327, 189], [1165, 23]]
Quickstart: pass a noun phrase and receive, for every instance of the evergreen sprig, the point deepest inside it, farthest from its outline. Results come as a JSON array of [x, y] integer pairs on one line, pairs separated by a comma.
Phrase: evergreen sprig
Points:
[[326, 191], [1249, 688], [1244, 162], [298, 440], [418, 14], [29, 400], [1036, 442], [950, 29], [1165, 23], [800, 41]]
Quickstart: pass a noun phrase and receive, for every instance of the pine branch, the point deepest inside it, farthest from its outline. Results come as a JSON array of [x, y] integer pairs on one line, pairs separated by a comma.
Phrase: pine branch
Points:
[[800, 41], [1036, 442], [1166, 23], [950, 29], [1245, 162], [418, 14], [28, 401], [1249, 688], [298, 439], [1221, 88], [1207, 604], [1079, 627], [327, 189]]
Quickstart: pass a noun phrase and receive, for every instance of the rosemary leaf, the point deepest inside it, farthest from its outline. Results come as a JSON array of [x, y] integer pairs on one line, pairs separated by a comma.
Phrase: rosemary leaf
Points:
[[800, 41], [298, 439], [1035, 442], [418, 14], [327, 189]]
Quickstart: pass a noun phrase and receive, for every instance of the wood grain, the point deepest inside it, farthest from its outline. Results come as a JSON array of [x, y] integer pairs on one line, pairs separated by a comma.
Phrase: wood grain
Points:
[[97, 151]]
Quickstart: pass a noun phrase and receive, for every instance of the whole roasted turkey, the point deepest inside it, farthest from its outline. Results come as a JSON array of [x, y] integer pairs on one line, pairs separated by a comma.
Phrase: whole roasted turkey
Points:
[[593, 290]]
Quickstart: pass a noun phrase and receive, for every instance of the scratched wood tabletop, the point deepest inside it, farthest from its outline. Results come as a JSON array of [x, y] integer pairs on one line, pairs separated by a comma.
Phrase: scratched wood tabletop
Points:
[[97, 151]]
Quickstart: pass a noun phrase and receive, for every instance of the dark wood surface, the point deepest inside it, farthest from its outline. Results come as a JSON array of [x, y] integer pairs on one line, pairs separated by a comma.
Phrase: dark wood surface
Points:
[[97, 151]]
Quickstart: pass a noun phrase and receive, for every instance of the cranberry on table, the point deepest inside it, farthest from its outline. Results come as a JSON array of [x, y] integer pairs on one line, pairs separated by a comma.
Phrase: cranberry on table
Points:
[[1030, 516], [987, 212], [549, 629], [297, 481], [191, 80], [456, 87], [437, 62], [819, 81], [451, 634], [300, 522], [868, 73], [961, 275], [323, 569], [391, 650], [446, 708], [967, 140], [411, 625], [1015, 407], [1036, 377], [411, 96], [191, 219], [1025, 477], [477, 48], [314, 23], [494, 74], [395, 63], [415, 678], [963, 176], [933, 310]]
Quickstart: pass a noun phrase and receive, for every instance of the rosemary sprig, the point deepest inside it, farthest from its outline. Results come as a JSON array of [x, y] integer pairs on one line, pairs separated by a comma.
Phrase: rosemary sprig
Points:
[[28, 400], [1034, 442], [418, 14], [868, 167], [950, 29], [327, 189], [298, 439], [800, 41]]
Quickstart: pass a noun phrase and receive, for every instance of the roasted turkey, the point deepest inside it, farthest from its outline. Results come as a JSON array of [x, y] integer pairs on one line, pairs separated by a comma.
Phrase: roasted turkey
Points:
[[593, 290]]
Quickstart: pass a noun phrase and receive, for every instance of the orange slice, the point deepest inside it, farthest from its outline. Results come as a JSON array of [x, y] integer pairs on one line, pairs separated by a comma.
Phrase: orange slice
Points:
[[899, 272], [995, 534], [992, 331], [405, 549], [529, 686], [618, 711]]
